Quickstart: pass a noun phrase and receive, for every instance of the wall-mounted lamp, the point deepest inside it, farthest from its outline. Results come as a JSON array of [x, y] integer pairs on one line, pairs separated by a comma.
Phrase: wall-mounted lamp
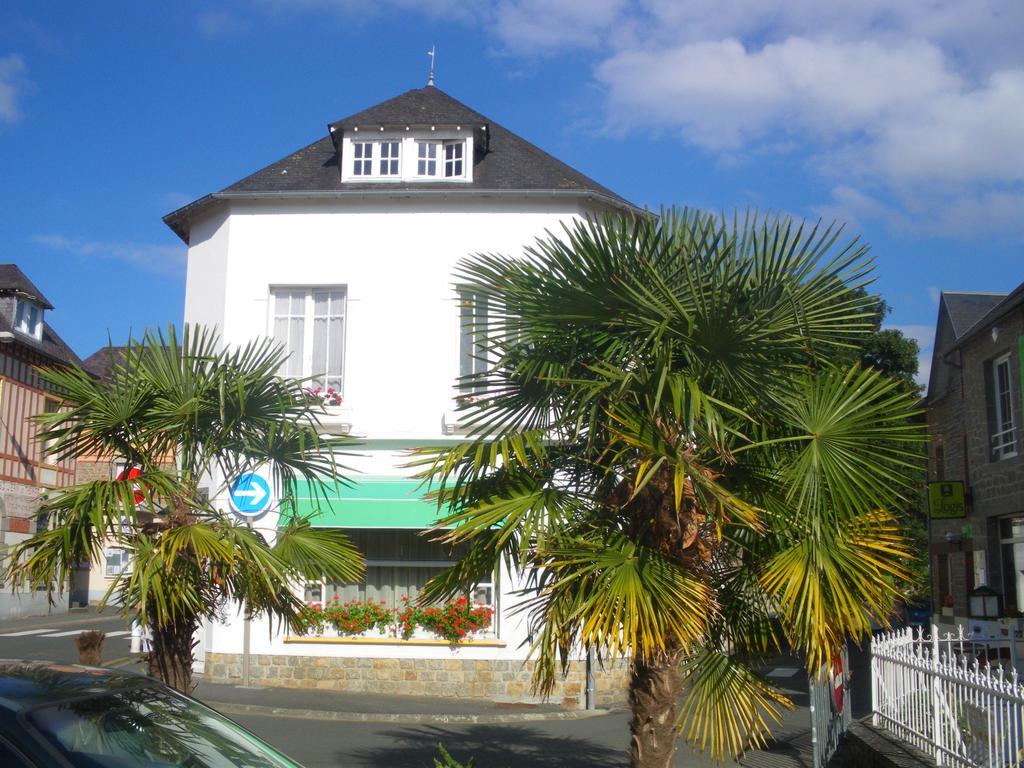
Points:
[[995, 333], [953, 538]]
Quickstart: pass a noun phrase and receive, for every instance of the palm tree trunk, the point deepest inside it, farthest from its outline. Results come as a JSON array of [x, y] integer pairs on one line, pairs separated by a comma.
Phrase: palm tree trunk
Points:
[[654, 692], [170, 654]]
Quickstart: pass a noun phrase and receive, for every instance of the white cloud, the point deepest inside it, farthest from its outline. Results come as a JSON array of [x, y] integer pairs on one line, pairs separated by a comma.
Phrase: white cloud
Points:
[[152, 257], [899, 122], [12, 73], [540, 25]]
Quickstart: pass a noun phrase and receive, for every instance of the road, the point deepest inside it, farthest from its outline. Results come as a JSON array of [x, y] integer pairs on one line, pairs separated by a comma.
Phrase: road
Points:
[[590, 743], [52, 638], [593, 741]]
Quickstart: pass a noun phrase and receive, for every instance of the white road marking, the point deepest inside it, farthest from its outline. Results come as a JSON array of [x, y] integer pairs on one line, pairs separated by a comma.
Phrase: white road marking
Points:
[[26, 632]]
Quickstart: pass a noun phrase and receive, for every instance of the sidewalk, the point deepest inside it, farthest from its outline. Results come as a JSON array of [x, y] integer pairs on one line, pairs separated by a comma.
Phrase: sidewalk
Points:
[[374, 708]]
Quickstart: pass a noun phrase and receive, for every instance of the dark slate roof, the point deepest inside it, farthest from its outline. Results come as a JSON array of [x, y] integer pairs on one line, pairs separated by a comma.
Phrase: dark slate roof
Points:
[[966, 309], [1006, 303], [13, 280], [102, 361], [504, 163]]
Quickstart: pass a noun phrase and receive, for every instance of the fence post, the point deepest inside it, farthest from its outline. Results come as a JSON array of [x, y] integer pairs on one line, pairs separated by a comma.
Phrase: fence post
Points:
[[936, 696], [875, 684]]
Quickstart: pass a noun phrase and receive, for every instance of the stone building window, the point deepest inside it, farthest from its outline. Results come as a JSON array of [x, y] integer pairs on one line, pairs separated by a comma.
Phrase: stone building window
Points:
[[1003, 435]]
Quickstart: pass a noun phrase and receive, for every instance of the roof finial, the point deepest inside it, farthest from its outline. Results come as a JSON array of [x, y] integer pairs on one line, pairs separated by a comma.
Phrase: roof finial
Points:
[[432, 53]]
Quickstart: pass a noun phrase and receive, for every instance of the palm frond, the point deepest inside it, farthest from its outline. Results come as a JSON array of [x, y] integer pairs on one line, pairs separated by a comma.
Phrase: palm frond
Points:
[[727, 708]]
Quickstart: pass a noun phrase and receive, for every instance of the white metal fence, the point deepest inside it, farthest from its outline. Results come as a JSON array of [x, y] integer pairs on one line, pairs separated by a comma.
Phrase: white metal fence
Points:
[[830, 709], [956, 699]]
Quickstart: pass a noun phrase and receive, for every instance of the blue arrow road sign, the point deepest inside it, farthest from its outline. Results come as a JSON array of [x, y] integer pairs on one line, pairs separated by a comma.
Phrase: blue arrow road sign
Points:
[[250, 494]]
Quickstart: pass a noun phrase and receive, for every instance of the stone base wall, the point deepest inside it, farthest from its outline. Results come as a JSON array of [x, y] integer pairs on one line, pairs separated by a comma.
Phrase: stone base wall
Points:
[[465, 678]]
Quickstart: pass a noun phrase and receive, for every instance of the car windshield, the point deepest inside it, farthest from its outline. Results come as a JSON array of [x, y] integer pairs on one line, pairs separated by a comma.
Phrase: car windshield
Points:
[[150, 727]]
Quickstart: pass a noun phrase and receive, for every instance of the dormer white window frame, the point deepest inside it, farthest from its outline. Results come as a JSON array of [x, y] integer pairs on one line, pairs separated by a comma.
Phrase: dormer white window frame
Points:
[[28, 319], [390, 158], [360, 145], [362, 158], [454, 159], [428, 158]]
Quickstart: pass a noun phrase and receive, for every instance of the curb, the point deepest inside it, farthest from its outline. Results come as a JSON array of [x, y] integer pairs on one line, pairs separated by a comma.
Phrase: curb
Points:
[[228, 708]]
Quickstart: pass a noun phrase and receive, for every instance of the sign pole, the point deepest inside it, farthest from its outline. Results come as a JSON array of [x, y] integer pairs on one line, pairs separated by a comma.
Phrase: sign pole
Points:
[[249, 495], [245, 637]]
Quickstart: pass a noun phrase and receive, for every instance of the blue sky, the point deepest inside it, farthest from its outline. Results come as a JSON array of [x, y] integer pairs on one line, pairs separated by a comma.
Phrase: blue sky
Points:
[[903, 120]]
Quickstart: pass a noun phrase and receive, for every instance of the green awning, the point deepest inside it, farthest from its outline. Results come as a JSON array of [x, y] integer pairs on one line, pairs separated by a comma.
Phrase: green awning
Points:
[[370, 502]]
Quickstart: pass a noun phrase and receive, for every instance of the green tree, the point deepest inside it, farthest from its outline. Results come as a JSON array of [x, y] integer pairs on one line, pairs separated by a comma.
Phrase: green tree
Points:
[[182, 412], [886, 349], [663, 447], [889, 351]]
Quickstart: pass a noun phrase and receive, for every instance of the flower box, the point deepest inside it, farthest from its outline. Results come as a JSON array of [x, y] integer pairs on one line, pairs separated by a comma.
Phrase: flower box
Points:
[[455, 621]]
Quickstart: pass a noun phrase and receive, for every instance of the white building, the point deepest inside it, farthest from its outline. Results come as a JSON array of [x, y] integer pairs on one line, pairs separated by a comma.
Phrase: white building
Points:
[[344, 251]]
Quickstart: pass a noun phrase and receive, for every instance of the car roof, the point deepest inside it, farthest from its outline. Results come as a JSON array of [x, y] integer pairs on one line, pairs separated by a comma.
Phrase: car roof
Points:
[[27, 684]]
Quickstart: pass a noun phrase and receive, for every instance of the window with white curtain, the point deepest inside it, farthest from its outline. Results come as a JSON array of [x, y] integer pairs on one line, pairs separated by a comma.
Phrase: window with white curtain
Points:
[[310, 324], [399, 563], [472, 333]]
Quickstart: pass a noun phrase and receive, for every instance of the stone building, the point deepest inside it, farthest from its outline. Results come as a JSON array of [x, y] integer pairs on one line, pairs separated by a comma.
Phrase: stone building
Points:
[[27, 344], [975, 404]]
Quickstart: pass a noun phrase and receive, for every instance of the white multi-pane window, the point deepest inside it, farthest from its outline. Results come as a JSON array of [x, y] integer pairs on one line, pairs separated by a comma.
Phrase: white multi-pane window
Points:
[[426, 158], [389, 158], [362, 154], [1004, 436], [453, 166], [28, 318], [310, 324], [472, 331]]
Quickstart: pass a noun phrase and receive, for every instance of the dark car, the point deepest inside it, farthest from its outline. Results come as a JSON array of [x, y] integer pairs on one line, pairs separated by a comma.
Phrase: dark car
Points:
[[70, 716]]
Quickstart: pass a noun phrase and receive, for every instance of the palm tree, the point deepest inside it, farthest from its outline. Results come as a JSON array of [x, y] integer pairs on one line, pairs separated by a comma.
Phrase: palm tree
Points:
[[182, 413], [662, 447]]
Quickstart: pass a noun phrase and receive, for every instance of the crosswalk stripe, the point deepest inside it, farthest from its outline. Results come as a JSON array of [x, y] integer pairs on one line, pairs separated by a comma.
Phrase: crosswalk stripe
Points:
[[25, 632], [67, 634], [118, 634]]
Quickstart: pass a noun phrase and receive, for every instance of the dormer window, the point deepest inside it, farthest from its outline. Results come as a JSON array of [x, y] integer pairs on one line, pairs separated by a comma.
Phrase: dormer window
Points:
[[362, 152], [426, 153], [436, 153], [387, 154], [389, 158], [453, 151], [28, 319]]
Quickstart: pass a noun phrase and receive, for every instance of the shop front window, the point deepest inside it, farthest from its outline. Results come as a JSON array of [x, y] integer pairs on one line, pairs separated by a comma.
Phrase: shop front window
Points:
[[399, 563], [1011, 541]]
